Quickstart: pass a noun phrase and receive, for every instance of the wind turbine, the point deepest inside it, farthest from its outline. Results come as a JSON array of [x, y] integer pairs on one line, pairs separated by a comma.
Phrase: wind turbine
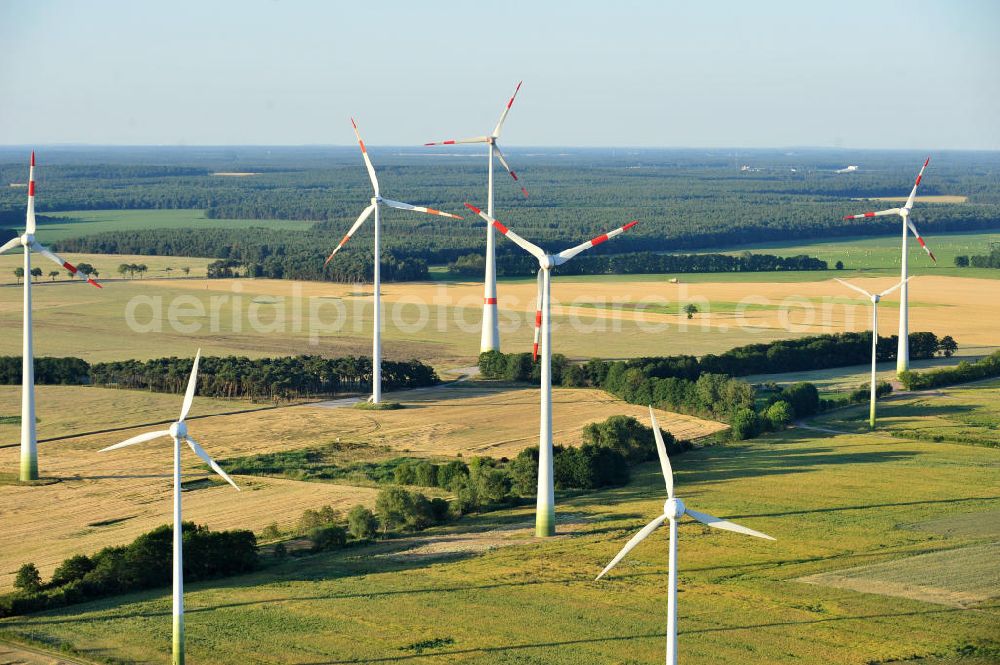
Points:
[[490, 339], [29, 439], [875, 298], [545, 507], [178, 432], [374, 206], [903, 352], [673, 510]]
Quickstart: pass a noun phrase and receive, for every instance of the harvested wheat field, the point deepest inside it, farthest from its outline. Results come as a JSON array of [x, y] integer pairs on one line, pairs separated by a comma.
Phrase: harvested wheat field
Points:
[[806, 307], [109, 498]]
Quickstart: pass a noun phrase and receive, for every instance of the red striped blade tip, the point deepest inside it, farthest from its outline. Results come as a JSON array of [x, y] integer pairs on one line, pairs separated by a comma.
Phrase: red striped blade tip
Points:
[[927, 161], [473, 208], [630, 225], [90, 281], [32, 157]]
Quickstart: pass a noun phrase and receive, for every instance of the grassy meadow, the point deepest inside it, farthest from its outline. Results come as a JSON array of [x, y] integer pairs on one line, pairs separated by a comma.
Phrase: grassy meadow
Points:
[[852, 513], [77, 223]]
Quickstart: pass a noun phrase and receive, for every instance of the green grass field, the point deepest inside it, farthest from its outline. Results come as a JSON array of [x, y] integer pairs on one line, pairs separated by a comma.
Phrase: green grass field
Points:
[[77, 223], [864, 507], [958, 414], [882, 252]]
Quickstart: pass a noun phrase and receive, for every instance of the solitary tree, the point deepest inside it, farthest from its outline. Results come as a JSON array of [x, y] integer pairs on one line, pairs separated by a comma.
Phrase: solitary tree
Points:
[[141, 269], [124, 269], [28, 579], [36, 272], [961, 261], [53, 274], [691, 309], [186, 270], [18, 273]]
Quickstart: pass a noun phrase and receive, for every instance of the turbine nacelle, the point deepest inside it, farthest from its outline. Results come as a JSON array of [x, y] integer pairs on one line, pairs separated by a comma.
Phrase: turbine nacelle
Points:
[[27, 239], [876, 298], [179, 430], [674, 509], [547, 262]]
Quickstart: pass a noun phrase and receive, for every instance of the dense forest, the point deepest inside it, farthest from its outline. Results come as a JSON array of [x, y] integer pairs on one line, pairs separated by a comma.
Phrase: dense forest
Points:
[[231, 377], [685, 199]]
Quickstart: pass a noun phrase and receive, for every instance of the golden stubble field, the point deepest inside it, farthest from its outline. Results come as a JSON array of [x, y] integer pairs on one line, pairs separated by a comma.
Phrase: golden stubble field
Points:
[[438, 322], [129, 490]]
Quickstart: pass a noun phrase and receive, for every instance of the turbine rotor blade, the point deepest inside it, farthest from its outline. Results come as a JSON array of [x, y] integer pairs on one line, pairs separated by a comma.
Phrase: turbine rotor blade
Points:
[[148, 436], [52, 256], [513, 175], [10, 244], [192, 386], [725, 525], [343, 241], [567, 254], [636, 539], [503, 115], [538, 316], [200, 452], [406, 206], [916, 233], [893, 288], [880, 213], [29, 223], [851, 286], [368, 161], [474, 139], [534, 250], [913, 192], [661, 451]]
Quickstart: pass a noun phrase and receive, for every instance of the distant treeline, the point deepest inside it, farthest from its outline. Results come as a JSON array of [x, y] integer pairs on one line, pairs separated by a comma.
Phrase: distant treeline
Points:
[[143, 564], [48, 371], [509, 265], [795, 355], [991, 260], [231, 377]]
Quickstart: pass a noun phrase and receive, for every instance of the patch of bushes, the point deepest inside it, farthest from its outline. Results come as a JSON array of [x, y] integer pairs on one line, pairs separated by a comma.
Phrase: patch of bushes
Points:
[[984, 368], [143, 564]]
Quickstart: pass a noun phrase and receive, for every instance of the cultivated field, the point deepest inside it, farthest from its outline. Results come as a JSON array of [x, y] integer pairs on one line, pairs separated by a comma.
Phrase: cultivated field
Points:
[[131, 488], [837, 504], [78, 223], [882, 252], [439, 321], [106, 265]]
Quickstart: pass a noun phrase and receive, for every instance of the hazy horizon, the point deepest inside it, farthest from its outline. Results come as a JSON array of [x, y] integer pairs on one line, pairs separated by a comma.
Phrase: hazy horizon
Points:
[[917, 75]]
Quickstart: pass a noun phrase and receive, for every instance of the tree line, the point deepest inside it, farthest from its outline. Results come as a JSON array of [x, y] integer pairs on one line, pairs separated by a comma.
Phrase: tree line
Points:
[[143, 564], [795, 355], [991, 260], [510, 265], [229, 377]]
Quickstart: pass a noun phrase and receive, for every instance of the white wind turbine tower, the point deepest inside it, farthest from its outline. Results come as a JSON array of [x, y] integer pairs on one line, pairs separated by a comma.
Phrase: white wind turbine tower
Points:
[[673, 510], [374, 206], [490, 340], [29, 439], [875, 298], [178, 432], [903, 352], [545, 507]]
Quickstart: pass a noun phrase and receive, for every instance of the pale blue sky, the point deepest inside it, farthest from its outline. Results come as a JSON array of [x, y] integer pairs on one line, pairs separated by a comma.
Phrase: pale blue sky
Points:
[[865, 74]]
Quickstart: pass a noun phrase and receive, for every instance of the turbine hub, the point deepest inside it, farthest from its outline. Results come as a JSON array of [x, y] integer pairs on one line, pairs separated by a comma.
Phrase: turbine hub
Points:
[[27, 239], [178, 430], [673, 508], [876, 298], [376, 199], [547, 263]]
